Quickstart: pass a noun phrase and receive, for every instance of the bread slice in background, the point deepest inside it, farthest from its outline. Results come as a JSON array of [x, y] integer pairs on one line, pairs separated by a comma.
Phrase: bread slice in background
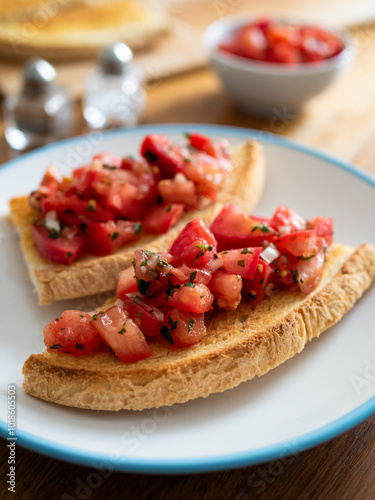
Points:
[[92, 275], [238, 346], [68, 29]]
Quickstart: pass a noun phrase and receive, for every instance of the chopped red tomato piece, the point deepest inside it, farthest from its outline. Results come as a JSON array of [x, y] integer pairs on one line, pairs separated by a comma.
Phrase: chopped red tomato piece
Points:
[[109, 159], [309, 272], [255, 289], [126, 283], [106, 237], [195, 245], [122, 335], [161, 218], [149, 319], [242, 262], [182, 328], [193, 297], [301, 244], [179, 190], [285, 220], [72, 333], [55, 247], [226, 289], [202, 143], [72, 210], [160, 151], [323, 227], [233, 228]]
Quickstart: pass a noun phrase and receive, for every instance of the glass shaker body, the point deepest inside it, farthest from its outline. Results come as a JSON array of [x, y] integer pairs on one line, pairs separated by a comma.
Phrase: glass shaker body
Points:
[[33, 119], [114, 100]]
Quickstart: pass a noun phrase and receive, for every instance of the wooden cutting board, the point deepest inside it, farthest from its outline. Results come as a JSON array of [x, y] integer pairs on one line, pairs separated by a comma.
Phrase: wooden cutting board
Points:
[[181, 49]]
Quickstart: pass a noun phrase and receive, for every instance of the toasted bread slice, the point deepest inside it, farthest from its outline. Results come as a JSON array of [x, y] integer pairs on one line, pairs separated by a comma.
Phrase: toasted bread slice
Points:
[[239, 345], [68, 29], [92, 275]]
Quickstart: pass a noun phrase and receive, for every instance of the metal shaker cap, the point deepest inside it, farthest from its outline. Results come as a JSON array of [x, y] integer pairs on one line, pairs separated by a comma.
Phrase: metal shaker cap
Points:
[[38, 75], [115, 59]]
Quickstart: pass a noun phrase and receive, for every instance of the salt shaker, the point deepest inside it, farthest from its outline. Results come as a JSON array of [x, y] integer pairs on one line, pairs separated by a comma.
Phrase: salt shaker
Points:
[[42, 112], [114, 95]]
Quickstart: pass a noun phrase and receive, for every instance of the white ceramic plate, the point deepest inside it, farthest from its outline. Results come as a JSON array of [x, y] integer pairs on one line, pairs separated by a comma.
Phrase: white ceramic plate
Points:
[[318, 394]]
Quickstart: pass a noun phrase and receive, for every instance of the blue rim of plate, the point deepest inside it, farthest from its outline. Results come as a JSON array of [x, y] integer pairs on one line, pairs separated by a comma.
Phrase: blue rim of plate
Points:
[[214, 462]]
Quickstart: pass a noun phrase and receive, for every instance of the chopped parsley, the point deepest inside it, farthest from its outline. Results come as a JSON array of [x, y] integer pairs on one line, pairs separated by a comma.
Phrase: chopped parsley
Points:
[[173, 324], [53, 234], [79, 347], [241, 263], [109, 167], [192, 285], [263, 228], [169, 208], [246, 251], [95, 317], [191, 324], [139, 314], [81, 316], [167, 334], [137, 300], [193, 275], [115, 235], [142, 286], [143, 263], [137, 228], [55, 346], [302, 257]]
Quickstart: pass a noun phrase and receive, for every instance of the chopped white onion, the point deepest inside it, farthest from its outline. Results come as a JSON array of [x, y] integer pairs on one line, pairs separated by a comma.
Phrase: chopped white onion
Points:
[[270, 254], [119, 303], [215, 264], [180, 178], [285, 229], [51, 221]]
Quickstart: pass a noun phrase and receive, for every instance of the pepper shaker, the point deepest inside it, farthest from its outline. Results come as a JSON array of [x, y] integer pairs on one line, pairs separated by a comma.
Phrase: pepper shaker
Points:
[[42, 112], [114, 96]]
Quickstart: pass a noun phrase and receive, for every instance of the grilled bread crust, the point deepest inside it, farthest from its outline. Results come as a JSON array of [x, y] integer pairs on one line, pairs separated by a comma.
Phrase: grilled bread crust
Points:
[[238, 346], [92, 275]]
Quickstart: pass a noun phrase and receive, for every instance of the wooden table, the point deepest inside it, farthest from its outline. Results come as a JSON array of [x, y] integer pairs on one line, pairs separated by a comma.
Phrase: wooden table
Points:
[[342, 122]]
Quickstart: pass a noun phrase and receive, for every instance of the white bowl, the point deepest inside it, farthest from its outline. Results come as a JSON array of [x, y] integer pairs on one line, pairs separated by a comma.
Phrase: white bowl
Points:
[[263, 88]]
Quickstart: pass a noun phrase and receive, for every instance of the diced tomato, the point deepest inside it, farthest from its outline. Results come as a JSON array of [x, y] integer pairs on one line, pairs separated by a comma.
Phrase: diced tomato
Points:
[[193, 297], [109, 159], [103, 238], [309, 272], [72, 210], [126, 283], [149, 319], [185, 274], [58, 248], [183, 328], [206, 172], [72, 333], [282, 43], [226, 289], [255, 288], [286, 220], [195, 245], [122, 335], [299, 243], [202, 143], [323, 227], [161, 218], [285, 271], [251, 43], [241, 261], [160, 151], [233, 228], [176, 191]]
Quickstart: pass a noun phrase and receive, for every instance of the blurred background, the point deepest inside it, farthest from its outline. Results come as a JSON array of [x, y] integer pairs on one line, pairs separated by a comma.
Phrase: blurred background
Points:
[[166, 38]]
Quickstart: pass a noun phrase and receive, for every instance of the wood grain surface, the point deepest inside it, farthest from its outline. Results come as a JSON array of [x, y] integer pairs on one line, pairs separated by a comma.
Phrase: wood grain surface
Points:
[[342, 122]]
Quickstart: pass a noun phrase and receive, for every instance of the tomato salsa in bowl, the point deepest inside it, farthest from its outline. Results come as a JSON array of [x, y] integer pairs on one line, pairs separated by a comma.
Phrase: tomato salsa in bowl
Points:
[[271, 65]]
